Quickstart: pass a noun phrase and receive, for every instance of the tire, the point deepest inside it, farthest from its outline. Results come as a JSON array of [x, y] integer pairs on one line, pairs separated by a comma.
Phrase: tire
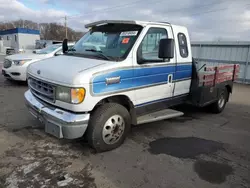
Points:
[[108, 127], [220, 104]]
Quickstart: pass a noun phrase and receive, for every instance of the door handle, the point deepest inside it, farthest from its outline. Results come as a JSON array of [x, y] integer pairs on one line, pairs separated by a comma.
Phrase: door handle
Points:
[[170, 78], [113, 80]]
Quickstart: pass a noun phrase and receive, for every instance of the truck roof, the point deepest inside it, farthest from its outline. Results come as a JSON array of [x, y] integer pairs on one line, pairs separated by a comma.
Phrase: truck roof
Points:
[[137, 22]]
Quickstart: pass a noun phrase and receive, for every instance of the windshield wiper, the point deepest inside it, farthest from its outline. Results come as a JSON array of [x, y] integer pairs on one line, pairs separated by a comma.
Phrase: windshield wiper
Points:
[[99, 53]]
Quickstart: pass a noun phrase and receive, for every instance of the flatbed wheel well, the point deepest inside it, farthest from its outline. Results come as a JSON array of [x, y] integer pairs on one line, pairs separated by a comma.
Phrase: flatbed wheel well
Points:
[[229, 90], [120, 99]]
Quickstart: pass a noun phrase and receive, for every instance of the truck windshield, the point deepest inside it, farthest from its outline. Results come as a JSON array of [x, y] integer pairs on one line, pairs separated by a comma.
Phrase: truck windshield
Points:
[[109, 42], [48, 49]]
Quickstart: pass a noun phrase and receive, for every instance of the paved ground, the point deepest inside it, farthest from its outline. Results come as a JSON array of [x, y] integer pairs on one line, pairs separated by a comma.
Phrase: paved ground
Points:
[[1, 58], [197, 150]]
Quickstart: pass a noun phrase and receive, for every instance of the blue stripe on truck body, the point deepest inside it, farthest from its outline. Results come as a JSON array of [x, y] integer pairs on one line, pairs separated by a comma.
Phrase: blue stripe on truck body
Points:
[[138, 77]]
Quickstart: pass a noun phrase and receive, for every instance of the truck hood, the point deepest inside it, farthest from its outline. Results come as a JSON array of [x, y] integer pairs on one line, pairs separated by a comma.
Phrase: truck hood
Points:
[[65, 70], [26, 56]]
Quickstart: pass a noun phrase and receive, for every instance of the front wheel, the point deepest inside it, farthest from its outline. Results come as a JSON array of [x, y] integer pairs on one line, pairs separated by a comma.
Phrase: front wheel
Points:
[[220, 104], [108, 127]]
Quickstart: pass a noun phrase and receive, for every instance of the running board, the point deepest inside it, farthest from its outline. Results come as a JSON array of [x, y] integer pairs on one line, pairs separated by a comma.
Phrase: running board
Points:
[[159, 115]]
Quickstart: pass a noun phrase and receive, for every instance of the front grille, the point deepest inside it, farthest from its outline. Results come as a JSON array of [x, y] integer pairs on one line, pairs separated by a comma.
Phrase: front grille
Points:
[[7, 63], [41, 89]]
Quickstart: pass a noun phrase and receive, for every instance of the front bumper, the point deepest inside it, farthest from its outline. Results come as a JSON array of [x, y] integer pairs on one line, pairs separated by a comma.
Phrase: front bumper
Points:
[[59, 123], [15, 73]]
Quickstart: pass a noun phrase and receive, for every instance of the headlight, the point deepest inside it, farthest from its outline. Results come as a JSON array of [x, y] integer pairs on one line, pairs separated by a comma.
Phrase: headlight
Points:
[[21, 62], [63, 94], [70, 95]]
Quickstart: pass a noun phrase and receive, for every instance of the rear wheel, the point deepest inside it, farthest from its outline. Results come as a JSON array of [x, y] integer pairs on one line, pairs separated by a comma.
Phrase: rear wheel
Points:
[[220, 104], [108, 127]]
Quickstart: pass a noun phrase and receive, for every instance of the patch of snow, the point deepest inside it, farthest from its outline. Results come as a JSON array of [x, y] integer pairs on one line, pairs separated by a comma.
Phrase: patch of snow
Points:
[[59, 152], [65, 182], [12, 181], [30, 167], [50, 145], [48, 168], [28, 158], [52, 171], [36, 177], [47, 180]]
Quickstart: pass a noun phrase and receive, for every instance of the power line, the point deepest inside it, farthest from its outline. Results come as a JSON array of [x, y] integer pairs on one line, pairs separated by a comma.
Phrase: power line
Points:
[[197, 6], [112, 8], [135, 2], [210, 11], [105, 9]]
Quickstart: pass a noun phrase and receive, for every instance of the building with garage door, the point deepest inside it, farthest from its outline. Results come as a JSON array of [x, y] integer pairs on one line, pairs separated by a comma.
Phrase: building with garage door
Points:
[[18, 39]]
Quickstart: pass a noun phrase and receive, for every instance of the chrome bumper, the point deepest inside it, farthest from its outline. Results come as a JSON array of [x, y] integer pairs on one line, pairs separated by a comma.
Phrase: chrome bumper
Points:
[[59, 123]]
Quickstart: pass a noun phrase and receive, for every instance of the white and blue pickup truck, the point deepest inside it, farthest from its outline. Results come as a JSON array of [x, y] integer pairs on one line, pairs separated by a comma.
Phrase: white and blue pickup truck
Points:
[[122, 73]]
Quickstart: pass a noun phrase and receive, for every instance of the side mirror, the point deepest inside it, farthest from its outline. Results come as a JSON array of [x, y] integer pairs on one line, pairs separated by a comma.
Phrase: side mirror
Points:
[[65, 45], [166, 49]]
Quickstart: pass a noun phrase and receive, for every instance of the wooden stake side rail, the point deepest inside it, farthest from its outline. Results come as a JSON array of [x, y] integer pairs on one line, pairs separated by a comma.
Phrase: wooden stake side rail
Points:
[[217, 74]]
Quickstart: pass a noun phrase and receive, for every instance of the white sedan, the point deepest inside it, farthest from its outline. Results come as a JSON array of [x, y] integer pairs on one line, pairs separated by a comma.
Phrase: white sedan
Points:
[[15, 66]]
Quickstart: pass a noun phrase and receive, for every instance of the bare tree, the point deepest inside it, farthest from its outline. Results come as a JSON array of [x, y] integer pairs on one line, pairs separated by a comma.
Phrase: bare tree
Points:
[[48, 31]]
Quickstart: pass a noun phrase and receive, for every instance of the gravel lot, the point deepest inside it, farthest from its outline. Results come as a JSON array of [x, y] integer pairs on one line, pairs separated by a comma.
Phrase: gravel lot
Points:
[[196, 150]]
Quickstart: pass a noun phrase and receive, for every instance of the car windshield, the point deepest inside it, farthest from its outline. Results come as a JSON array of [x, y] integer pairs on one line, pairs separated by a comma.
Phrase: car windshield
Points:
[[48, 49], [110, 41]]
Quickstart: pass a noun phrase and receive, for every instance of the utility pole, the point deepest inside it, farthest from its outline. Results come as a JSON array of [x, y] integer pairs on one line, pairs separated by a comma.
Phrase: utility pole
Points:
[[5, 25], [65, 24]]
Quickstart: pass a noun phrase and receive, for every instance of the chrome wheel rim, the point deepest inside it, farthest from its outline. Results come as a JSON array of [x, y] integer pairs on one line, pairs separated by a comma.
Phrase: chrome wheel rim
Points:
[[113, 129], [221, 101]]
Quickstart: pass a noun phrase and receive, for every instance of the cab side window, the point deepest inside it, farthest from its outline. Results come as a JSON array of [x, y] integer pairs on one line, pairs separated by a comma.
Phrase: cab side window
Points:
[[183, 45], [148, 49]]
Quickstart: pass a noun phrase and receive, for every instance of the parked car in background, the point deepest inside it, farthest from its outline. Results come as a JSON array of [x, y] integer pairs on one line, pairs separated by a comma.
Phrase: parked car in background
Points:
[[40, 44], [15, 66]]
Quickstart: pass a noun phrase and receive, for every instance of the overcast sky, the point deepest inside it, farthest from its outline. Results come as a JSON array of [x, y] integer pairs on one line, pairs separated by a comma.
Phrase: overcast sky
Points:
[[206, 20]]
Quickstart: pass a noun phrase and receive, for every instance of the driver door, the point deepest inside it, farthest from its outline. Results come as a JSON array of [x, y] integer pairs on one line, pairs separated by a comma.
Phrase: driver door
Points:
[[154, 75]]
